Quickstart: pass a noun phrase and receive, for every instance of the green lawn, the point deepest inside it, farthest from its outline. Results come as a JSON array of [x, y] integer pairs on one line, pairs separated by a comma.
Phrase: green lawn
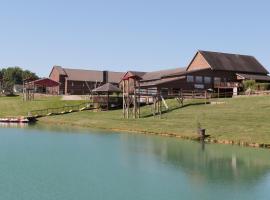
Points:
[[244, 119], [15, 106]]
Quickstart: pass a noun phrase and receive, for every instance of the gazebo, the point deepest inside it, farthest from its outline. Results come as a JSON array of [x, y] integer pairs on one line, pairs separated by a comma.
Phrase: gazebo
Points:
[[29, 86], [101, 95]]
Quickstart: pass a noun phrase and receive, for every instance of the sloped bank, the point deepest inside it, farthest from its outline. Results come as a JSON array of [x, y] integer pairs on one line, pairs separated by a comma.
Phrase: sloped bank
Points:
[[187, 136]]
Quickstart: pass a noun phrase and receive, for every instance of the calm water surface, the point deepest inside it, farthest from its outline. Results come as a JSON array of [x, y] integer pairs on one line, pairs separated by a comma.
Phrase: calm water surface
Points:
[[49, 164]]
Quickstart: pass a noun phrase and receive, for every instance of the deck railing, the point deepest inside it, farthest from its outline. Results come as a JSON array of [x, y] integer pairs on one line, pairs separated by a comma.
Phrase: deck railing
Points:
[[227, 84]]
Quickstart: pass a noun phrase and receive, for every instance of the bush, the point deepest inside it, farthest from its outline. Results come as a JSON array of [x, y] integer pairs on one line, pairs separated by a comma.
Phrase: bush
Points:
[[262, 86], [252, 85], [249, 84]]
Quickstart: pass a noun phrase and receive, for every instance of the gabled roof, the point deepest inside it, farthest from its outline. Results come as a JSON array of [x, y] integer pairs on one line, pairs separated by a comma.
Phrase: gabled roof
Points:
[[108, 87], [46, 82], [115, 77], [132, 74], [88, 75], [158, 82], [233, 62], [84, 75], [182, 73], [60, 70]]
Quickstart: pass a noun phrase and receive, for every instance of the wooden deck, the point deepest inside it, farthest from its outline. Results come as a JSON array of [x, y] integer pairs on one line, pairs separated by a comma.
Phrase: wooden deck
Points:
[[224, 85]]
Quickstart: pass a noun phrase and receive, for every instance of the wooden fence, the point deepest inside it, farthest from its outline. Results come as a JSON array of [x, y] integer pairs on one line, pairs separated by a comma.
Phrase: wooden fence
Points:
[[60, 110]]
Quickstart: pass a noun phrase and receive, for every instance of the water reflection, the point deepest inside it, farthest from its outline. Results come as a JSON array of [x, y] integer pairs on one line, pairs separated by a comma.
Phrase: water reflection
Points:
[[41, 164], [205, 162], [200, 162], [13, 125]]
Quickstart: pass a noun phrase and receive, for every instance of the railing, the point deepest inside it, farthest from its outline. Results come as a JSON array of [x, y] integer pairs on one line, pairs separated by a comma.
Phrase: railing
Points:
[[59, 110], [227, 84], [180, 94]]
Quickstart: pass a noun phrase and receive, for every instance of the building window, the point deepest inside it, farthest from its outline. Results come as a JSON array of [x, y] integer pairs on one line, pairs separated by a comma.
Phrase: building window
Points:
[[190, 79], [72, 84], [164, 91], [217, 80], [207, 80], [199, 86], [199, 79]]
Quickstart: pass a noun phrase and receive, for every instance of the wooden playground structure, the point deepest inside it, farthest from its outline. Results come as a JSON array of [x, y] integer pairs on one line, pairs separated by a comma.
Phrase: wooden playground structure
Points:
[[134, 96], [131, 98]]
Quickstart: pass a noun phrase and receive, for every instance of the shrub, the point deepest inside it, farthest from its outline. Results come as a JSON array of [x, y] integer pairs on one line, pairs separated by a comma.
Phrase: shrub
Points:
[[262, 86], [249, 84]]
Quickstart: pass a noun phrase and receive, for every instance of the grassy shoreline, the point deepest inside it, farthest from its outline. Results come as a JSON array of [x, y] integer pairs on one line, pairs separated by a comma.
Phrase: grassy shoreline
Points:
[[187, 136], [243, 120]]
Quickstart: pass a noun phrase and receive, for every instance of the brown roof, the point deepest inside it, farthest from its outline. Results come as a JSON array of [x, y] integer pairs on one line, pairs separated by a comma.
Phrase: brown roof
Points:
[[46, 82], [132, 74], [115, 77], [254, 77], [136, 73], [60, 70], [84, 75], [233, 62], [182, 73], [160, 81], [108, 87], [161, 73], [89, 75]]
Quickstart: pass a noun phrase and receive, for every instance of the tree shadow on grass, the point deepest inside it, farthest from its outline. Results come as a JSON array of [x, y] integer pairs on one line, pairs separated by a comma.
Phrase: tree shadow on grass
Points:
[[175, 108]]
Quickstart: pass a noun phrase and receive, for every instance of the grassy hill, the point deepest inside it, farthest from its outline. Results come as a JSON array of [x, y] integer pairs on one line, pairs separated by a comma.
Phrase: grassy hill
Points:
[[241, 119]]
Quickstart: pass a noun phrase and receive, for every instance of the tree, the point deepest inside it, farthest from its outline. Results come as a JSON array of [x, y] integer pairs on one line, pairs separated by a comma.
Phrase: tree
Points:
[[26, 74], [15, 75], [1, 81]]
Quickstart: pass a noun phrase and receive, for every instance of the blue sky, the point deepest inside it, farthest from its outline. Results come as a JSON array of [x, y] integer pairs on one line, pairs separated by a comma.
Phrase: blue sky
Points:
[[122, 35]]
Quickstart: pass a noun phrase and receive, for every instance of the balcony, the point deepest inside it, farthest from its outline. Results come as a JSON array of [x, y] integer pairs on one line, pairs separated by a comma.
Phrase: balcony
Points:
[[227, 85]]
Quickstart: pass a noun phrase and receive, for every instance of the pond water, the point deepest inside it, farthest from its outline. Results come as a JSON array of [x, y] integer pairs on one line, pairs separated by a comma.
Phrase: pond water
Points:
[[59, 164]]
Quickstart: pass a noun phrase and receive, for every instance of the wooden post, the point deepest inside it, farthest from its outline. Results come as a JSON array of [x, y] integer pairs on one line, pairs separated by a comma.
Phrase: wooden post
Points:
[[108, 99], [160, 107], [154, 105], [205, 96], [134, 100], [128, 98], [123, 89], [66, 86], [139, 103]]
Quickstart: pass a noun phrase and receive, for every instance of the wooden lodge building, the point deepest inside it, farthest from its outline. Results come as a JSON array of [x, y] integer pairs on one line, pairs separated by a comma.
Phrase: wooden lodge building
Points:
[[207, 70], [80, 82]]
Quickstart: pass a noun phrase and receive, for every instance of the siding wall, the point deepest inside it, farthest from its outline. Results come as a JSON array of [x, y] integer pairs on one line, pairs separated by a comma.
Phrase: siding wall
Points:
[[80, 87], [54, 76], [198, 63], [225, 76], [183, 84]]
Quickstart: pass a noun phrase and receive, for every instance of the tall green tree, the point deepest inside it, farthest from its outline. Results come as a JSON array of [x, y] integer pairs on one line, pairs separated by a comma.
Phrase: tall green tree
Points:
[[15, 75]]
